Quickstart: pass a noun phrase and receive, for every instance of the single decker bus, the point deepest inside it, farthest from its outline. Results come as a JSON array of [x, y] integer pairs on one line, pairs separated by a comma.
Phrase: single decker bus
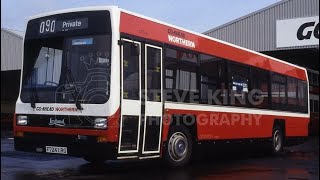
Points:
[[103, 83]]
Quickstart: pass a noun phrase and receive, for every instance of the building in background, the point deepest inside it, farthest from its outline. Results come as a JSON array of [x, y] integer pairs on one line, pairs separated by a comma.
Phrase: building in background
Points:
[[11, 62], [288, 30]]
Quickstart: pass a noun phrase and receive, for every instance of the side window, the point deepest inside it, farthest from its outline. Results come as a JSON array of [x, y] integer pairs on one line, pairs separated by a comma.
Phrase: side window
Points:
[[292, 85], [212, 79], [278, 91], [181, 76], [260, 88], [171, 66], [238, 84], [303, 96]]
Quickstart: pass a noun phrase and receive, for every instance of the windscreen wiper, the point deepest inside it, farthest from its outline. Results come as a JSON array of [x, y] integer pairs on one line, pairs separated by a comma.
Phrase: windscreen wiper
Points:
[[34, 97], [76, 95]]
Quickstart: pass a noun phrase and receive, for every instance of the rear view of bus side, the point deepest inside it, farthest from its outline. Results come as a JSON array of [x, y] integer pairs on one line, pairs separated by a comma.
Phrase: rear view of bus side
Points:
[[105, 83]]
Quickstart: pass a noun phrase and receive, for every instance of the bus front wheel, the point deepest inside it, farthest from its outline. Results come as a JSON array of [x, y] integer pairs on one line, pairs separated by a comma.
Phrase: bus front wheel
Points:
[[179, 146]]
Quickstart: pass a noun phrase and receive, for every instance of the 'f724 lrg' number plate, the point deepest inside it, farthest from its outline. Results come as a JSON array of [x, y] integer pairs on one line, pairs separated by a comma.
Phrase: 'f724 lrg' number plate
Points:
[[56, 150]]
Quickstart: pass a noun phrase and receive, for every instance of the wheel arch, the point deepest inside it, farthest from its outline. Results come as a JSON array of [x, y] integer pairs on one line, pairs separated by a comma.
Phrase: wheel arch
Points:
[[187, 120]]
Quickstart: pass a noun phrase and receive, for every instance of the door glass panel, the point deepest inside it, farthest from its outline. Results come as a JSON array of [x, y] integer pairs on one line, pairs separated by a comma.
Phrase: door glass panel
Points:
[[131, 75], [153, 74], [152, 133], [129, 136]]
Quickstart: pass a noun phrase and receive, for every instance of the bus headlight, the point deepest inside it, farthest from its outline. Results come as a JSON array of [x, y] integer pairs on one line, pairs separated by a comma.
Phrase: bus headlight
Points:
[[100, 123], [22, 120]]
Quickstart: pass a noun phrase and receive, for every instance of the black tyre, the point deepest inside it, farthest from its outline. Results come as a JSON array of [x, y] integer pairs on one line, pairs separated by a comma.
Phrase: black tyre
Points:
[[94, 159], [179, 146], [277, 140]]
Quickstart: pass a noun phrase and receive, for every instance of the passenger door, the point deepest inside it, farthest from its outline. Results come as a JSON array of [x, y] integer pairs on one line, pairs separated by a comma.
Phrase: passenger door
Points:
[[141, 104], [130, 122]]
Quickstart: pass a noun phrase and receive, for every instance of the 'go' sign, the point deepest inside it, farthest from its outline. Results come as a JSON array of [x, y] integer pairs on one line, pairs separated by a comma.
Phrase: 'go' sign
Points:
[[298, 32]]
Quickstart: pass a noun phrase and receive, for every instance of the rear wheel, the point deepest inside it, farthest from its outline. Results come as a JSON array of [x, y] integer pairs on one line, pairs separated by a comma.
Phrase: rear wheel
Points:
[[277, 140], [179, 146]]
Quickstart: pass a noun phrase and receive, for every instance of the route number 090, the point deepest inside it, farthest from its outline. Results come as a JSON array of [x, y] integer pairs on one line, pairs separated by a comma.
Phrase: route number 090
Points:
[[47, 26]]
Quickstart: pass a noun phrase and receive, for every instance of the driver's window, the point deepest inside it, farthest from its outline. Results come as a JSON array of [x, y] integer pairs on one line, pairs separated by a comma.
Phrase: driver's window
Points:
[[47, 69]]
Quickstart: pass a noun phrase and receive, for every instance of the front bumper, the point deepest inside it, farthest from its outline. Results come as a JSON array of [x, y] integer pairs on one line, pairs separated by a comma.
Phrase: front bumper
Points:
[[85, 146]]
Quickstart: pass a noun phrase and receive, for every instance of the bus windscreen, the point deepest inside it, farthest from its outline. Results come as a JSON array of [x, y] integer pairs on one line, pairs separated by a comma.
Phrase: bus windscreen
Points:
[[67, 59]]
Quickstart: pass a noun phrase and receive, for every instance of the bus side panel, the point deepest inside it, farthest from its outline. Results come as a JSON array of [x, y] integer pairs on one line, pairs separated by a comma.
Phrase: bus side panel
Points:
[[223, 125], [296, 126]]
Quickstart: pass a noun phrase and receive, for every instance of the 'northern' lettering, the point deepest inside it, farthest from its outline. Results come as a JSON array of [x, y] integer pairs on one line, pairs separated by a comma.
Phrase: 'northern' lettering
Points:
[[181, 41]]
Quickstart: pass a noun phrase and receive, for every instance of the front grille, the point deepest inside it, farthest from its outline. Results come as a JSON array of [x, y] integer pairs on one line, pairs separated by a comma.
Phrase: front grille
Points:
[[59, 121]]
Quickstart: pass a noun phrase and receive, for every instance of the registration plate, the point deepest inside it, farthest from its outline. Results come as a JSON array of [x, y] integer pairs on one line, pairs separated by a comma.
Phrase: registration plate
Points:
[[56, 150]]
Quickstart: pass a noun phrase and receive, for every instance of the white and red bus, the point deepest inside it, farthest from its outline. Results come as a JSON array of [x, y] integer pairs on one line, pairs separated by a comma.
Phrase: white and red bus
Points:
[[105, 83]]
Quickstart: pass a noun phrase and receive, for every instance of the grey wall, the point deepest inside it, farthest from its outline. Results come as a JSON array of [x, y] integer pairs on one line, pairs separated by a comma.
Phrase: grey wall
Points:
[[11, 51], [257, 31]]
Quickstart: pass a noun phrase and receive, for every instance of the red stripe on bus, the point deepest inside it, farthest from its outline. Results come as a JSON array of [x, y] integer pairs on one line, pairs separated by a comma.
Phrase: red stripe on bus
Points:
[[222, 125]]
